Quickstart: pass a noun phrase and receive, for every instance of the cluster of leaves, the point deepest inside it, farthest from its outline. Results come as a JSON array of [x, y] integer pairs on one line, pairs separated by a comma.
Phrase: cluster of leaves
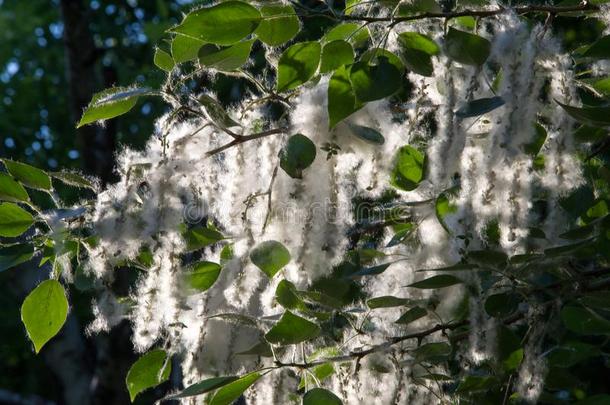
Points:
[[223, 38]]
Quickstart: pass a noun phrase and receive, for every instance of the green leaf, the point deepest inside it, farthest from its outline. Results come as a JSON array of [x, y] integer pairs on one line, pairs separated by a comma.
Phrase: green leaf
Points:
[[297, 65], [440, 281], [163, 60], [223, 24], [432, 352], [279, 24], [593, 116], [286, 295], [418, 50], [418, 6], [478, 107], [226, 254], [442, 208], [44, 312], [226, 58], [584, 321], [408, 169], [372, 271], [513, 361], [571, 353], [14, 220], [292, 329], [185, 49], [374, 82], [501, 305], [474, 383], [297, 155], [270, 256], [232, 391], [401, 235], [262, 349], [243, 319], [203, 275], [111, 103], [466, 48], [10, 190], [341, 98], [386, 301], [148, 371], [374, 55], [533, 148], [597, 300], [28, 175], [217, 114], [600, 399], [321, 396], [412, 315], [599, 86], [367, 134], [73, 179], [600, 49], [354, 33], [336, 54], [13, 255], [202, 387], [200, 236], [491, 258]]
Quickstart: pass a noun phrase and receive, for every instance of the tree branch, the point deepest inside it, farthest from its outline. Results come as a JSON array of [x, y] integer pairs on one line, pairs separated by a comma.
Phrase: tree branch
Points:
[[554, 10], [245, 138]]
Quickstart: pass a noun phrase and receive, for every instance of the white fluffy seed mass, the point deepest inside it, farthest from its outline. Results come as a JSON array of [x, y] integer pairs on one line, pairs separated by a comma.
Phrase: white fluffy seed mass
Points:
[[172, 183]]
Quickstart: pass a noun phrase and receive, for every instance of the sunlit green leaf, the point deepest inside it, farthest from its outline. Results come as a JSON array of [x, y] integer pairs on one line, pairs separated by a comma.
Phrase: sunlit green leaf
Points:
[[44, 312], [375, 81], [28, 175], [341, 98], [335, 54], [418, 50], [223, 24], [185, 48], [292, 329], [297, 65], [148, 371], [203, 275], [14, 220], [228, 393], [163, 60], [201, 236], [297, 155], [466, 48], [354, 33], [270, 256], [111, 103], [279, 24], [321, 396], [225, 59], [408, 169], [202, 387], [10, 190], [73, 179]]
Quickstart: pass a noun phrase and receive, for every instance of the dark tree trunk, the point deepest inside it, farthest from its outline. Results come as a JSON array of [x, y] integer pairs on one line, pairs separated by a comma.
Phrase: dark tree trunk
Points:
[[96, 144]]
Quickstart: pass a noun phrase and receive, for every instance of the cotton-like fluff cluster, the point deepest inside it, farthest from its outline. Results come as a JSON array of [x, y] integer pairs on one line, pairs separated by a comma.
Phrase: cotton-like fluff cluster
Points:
[[173, 183]]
